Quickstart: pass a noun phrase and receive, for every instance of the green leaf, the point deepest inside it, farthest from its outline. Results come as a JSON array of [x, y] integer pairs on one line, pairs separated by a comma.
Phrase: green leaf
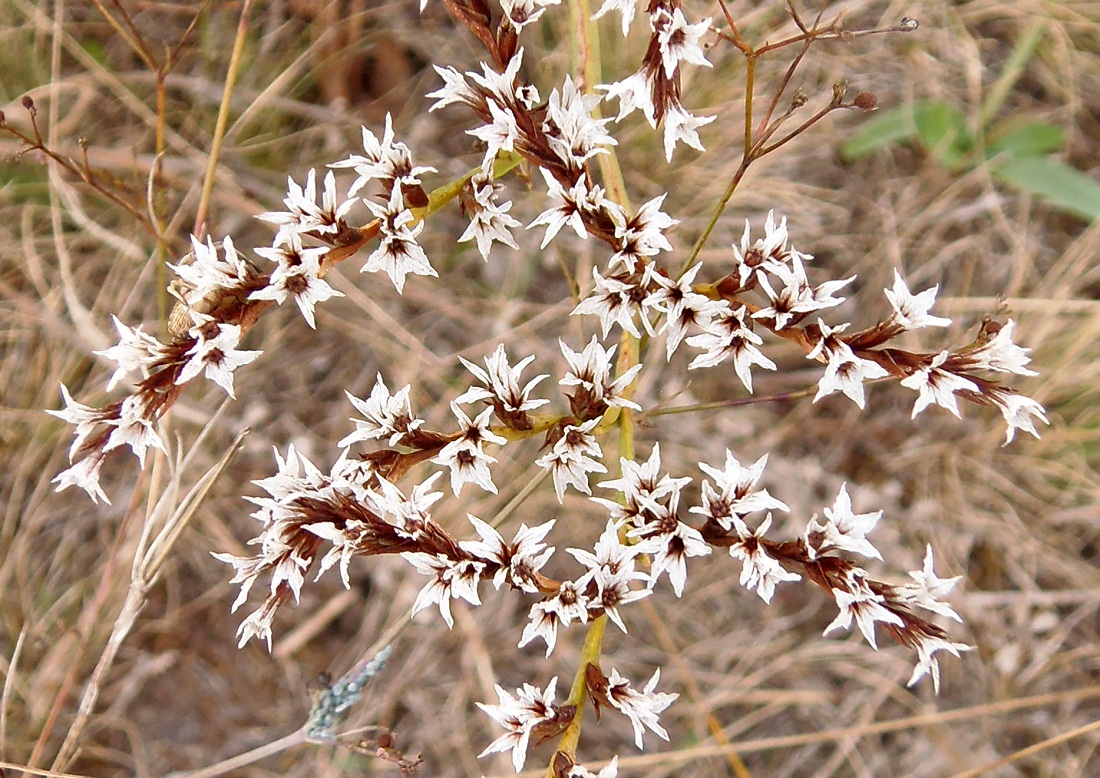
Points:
[[1066, 188], [885, 129], [1014, 67], [1027, 139], [941, 128], [925, 120]]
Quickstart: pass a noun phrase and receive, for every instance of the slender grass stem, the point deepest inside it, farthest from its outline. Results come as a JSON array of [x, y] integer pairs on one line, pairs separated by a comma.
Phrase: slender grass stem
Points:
[[223, 117]]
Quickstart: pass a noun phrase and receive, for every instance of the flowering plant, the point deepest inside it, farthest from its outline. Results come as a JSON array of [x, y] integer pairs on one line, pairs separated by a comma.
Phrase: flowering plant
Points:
[[377, 496]]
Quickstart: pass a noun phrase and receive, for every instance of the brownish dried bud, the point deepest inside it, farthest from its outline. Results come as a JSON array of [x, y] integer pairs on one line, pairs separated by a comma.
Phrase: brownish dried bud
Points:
[[415, 195], [28, 103], [3, 119], [867, 101], [800, 99], [385, 740], [552, 727], [563, 764], [989, 329]]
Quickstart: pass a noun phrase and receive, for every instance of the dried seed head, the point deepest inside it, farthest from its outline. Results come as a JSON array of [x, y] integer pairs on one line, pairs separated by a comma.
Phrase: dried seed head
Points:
[[28, 103], [866, 101]]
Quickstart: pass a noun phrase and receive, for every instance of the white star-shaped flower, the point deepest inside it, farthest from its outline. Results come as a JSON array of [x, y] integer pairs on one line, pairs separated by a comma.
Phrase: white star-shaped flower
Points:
[[575, 454], [626, 9], [928, 588], [569, 125], [926, 662], [938, 386], [633, 93], [844, 371], [845, 530], [681, 126], [398, 253], [565, 607], [524, 12], [911, 310], [759, 570], [1020, 412], [385, 415], [519, 560], [303, 214], [135, 429], [207, 272], [84, 474], [569, 206], [501, 383], [136, 350], [451, 579], [454, 90], [614, 301], [858, 601], [734, 493], [519, 715], [489, 220], [1000, 354], [83, 417], [728, 334], [215, 352], [499, 135], [591, 371], [385, 160], [464, 457], [678, 40], [501, 86], [297, 275], [672, 543], [642, 708]]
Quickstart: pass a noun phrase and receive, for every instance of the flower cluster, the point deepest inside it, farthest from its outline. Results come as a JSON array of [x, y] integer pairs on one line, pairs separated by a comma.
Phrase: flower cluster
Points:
[[389, 162], [655, 88], [313, 519]]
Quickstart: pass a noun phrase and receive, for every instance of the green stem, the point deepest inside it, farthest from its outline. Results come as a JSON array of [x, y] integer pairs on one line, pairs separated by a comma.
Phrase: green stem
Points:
[[589, 60], [629, 355], [750, 77], [716, 215], [746, 159], [578, 693]]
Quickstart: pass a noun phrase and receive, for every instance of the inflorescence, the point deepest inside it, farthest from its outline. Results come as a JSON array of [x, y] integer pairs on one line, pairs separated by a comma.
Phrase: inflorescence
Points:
[[313, 518]]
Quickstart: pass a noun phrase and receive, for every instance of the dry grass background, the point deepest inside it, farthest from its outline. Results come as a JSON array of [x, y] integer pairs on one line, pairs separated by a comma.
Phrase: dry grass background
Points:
[[1020, 522]]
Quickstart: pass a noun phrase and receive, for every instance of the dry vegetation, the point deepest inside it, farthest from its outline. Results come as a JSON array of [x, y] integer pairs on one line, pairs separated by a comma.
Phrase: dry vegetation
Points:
[[1021, 522]]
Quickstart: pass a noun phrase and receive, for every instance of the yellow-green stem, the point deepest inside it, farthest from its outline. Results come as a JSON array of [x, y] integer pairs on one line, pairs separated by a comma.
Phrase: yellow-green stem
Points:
[[716, 215], [593, 641], [223, 117], [750, 78], [578, 693], [629, 354], [588, 58], [160, 256], [505, 162]]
